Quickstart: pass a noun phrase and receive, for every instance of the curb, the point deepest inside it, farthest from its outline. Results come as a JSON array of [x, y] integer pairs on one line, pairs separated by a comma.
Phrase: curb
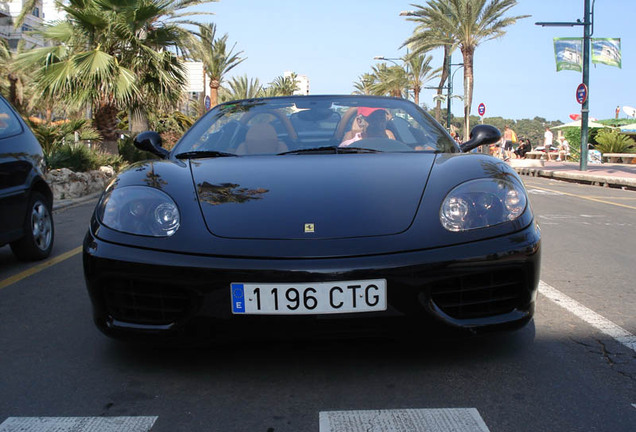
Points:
[[65, 203], [604, 180]]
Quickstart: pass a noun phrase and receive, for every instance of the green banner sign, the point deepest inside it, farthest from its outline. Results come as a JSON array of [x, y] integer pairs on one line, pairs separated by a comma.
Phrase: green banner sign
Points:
[[607, 51], [569, 52]]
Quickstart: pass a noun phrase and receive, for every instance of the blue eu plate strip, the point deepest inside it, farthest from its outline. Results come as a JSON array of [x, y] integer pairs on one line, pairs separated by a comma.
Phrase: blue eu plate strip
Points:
[[238, 298]]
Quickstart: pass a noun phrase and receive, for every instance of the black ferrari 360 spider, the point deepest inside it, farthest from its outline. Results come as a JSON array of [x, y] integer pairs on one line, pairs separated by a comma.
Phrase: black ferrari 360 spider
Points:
[[313, 213]]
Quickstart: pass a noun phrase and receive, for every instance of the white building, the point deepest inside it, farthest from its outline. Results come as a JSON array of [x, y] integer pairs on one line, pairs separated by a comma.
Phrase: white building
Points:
[[9, 11], [303, 85], [51, 12], [302, 81], [197, 86]]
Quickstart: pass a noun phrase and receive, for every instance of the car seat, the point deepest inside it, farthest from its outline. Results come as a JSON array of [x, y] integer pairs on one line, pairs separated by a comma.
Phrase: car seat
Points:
[[261, 138]]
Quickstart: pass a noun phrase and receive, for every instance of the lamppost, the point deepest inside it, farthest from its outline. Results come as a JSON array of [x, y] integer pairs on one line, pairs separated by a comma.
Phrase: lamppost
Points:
[[392, 60], [450, 91], [588, 25]]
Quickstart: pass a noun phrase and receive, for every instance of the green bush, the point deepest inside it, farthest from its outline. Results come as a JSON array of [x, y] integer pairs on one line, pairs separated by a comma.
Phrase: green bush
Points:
[[573, 135], [611, 141], [79, 157], [52, 136]]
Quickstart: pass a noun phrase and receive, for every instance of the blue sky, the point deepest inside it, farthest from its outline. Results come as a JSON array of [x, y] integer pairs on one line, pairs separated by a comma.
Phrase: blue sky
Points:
[[333, 42]]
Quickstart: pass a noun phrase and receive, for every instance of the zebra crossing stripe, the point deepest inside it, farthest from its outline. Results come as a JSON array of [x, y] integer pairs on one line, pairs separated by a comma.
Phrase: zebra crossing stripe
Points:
[[403, 420], [77, 424]]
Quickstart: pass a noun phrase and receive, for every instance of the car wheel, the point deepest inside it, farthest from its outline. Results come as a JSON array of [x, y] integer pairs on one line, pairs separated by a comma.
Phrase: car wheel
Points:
[[38, 239]]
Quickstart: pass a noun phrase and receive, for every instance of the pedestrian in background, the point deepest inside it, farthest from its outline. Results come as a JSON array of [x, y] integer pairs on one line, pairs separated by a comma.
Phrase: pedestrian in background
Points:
[[510, 138], [524, 147], [564, 149], [548, 137]]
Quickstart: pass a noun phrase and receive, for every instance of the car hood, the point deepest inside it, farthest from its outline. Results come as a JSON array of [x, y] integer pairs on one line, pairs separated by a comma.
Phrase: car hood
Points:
[[311, 196]]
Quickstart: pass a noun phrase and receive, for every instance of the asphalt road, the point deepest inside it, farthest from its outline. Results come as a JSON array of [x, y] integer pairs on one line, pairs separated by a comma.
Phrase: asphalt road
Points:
[[560, 374]]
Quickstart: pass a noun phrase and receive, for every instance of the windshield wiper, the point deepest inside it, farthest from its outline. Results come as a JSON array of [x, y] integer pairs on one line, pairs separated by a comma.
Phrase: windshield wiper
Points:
[[357, 150], [203, 154], [331, 149]]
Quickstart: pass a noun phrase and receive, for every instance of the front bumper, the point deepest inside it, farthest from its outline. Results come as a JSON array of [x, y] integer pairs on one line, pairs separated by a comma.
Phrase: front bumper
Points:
[[479, 286]]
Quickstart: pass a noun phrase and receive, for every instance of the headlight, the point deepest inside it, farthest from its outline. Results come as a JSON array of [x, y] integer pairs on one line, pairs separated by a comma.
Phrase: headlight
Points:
[[482, 203], [139, 210]]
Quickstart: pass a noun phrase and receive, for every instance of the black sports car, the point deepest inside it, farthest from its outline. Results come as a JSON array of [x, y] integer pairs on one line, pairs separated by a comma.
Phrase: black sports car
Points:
[[313, 213], [26, 200]]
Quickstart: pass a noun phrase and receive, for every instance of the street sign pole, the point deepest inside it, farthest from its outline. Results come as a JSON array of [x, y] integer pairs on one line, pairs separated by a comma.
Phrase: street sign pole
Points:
[[587, 34], [586, 82], [449, 95], [482, 111]]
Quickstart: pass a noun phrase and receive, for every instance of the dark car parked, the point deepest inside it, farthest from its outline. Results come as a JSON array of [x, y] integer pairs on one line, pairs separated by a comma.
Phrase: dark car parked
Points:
[[26, 201], [313, 213]]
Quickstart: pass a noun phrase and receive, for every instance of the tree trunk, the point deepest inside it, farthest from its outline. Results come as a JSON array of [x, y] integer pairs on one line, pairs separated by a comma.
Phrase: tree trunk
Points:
[[440, 88], [13, 91], [105, 120], [468, 88], [214, 92]]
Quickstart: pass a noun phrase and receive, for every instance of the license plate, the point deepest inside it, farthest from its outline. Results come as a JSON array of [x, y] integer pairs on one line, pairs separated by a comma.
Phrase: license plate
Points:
[[308, 298]]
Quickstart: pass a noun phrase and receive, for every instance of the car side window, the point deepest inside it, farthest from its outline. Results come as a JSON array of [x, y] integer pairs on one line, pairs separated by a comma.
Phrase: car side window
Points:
[[403, 129], [9, 124]]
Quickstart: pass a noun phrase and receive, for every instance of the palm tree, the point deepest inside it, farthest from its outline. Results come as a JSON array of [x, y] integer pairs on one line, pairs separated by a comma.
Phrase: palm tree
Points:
[[241, 88], [462, 24], [364, 84], [429, 36], [110, 55], [390, 80], [284, 85], [216, 58], [420, 72], [10, 81]]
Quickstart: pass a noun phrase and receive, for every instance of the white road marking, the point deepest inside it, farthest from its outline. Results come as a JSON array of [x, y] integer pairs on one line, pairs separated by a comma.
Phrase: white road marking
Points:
[[589, 316], [600, 220], [403, 420], [77, 424], [543, 192]]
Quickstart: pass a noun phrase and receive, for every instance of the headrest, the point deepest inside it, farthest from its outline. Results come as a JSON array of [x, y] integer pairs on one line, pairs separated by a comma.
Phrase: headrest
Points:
[[262, 132]]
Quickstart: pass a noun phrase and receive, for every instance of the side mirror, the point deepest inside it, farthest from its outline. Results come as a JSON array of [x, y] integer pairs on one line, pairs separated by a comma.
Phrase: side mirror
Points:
[[150, 141], [480, 135]]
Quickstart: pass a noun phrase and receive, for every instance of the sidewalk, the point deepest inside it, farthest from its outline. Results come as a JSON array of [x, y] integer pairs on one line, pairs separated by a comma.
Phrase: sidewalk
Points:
[[618, 175], [65, 203]]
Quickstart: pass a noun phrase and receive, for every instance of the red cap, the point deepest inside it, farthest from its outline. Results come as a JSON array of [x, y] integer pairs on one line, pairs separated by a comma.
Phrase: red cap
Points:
[[366, 111]]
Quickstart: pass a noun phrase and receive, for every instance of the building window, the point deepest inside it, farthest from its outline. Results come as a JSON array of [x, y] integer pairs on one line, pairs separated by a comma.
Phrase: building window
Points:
[[36, 12]]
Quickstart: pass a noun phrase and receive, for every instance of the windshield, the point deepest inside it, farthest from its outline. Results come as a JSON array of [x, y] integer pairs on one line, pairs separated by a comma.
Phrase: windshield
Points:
[[314, 124]]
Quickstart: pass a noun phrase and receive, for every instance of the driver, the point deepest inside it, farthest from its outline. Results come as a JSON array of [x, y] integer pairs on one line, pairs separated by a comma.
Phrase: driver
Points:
[[370, 123]]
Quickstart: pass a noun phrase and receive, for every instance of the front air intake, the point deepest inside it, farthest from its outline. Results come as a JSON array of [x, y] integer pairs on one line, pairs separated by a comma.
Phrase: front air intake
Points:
[[481, 294], [146, 302]]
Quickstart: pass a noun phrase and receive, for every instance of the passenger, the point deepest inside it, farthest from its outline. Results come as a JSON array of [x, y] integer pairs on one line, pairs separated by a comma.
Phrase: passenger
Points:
[[370, 123]]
